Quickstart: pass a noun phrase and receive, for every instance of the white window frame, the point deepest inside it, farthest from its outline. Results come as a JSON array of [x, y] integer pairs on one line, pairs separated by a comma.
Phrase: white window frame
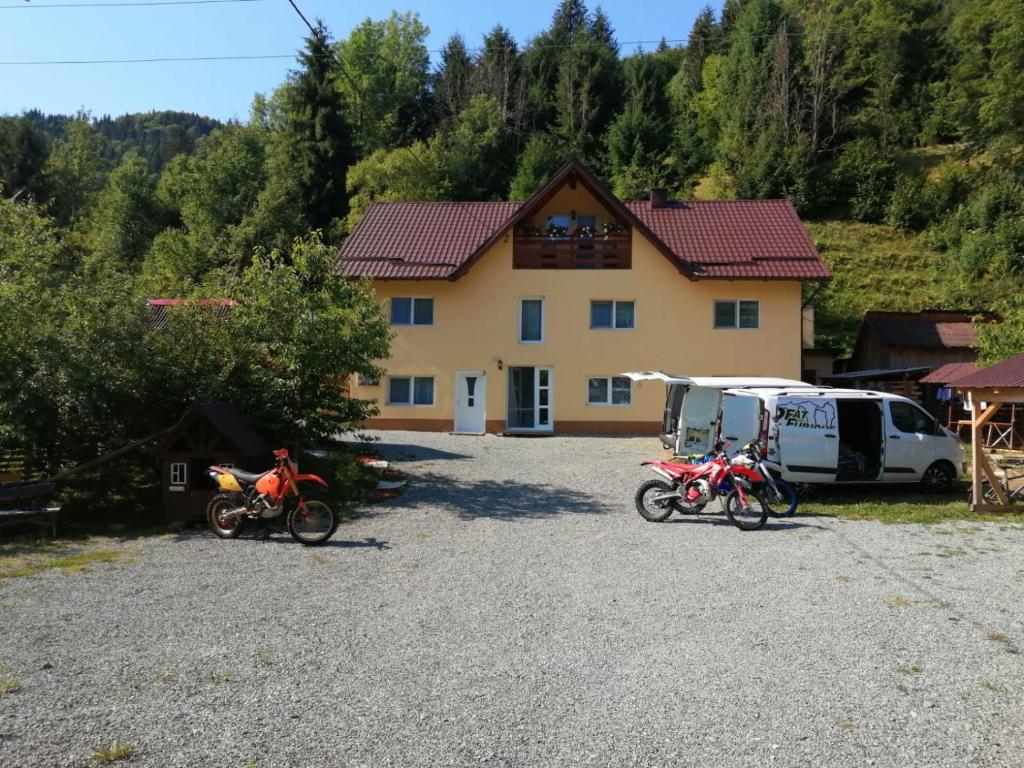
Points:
[[412, 311], [736, 306], [613, 326], [543, 320], [412, 392], [175, 477], [607, 403]]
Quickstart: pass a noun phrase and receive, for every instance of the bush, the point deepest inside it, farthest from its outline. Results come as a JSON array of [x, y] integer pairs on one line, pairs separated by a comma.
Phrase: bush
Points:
[[865, 176], [908, 206]]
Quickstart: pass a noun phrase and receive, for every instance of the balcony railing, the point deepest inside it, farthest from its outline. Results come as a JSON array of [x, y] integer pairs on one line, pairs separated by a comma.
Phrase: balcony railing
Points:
[[612, 252]]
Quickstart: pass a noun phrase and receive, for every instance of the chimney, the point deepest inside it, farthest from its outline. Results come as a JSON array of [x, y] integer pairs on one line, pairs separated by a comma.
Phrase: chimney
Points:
[[659, 197]]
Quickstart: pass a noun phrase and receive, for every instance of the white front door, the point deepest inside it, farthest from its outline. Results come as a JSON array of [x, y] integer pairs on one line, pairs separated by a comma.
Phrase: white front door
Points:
[[470, 395]]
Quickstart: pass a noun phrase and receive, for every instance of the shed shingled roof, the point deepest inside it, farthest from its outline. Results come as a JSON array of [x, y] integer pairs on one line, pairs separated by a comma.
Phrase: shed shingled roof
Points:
[[1009, 373], [729, 239], [936, 329]]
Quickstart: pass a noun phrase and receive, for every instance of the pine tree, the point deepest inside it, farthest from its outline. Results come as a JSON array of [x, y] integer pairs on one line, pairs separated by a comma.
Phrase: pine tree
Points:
[[317, 135], [454, 78]]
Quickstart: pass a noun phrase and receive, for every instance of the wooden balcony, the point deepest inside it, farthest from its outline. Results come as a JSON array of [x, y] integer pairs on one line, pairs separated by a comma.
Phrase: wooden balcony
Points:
[[613, 252]]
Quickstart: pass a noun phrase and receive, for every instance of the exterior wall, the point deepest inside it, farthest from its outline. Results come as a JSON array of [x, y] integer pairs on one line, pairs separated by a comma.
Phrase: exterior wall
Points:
[[476, 326]]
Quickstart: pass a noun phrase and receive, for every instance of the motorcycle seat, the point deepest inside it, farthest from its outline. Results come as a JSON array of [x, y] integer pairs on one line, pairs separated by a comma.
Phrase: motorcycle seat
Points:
[[245, 477]]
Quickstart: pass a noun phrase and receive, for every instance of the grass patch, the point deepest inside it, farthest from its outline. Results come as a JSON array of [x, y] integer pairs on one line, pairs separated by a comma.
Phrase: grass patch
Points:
[[223, 676], [843, 579], [113, 753], [8, 686], [897, 602], [912, 670], [321, 559], [21, 559], [163, 677], [998, 637], [846, 725], [263, 657], [988, 685], [895, 505]]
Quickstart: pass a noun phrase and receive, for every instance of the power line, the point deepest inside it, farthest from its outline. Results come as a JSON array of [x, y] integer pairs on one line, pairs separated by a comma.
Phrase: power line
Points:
[[301, 15], [129, 4], [151, 60]]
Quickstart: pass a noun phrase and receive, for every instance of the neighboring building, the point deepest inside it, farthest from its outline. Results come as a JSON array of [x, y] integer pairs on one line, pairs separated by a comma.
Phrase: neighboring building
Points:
[[898, 340], [518, 317]]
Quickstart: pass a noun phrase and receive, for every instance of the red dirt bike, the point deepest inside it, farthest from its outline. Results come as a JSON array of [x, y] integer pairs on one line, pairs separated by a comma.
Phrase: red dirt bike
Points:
[[267, 495], [688, 488]]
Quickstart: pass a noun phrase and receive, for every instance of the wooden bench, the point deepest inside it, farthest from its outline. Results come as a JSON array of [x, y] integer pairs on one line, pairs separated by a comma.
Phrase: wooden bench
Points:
[[16, 509], [44, 517]]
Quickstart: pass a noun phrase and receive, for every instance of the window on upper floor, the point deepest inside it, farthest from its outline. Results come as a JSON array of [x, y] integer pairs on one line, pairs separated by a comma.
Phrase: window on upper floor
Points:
[[619, 315], [410, 311], [737, 314], [609, 390], [559, 225], [531, 321], [410, 390]]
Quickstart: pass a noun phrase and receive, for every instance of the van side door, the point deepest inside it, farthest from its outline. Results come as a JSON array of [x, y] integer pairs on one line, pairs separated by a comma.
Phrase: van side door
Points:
[[741, 419], [909, 441], [807, 430]]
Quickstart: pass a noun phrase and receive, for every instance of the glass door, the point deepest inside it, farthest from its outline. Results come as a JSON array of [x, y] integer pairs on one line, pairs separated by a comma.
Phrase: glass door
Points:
[[530, 399]]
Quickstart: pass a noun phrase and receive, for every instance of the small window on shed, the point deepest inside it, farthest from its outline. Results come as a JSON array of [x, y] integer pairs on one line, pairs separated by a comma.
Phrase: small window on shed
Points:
[[179, 472]]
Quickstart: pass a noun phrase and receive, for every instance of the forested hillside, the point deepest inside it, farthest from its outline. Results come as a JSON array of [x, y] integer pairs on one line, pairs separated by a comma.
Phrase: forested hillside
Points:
[[895, 127]]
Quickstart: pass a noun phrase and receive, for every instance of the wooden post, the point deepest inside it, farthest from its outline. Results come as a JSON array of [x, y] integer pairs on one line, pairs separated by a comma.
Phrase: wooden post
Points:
[[979, 462]]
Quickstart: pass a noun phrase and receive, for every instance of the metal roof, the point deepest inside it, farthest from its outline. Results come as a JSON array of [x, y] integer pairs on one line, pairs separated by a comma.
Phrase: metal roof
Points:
[[728, 239], [1009, 373], [948, 373]]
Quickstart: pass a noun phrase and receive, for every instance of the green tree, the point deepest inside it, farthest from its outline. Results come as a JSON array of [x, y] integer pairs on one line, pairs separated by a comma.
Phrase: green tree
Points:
[[476, 157], [999, 341], [383, 77], [127, 215], [23, 153], [412, 173], [316, 146], [542, 156], [453, 81], [75, 171]]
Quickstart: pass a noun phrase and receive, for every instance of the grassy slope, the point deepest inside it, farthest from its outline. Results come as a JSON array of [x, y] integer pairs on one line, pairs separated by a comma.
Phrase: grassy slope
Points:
[[875, 267]]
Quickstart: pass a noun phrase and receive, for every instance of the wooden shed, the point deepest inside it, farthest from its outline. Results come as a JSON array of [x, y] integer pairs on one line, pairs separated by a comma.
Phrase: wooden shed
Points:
[[986, 391], [208, 433]]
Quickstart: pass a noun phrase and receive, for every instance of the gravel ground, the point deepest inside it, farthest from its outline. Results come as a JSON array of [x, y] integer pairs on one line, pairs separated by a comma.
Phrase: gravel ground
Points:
[[511, 609]]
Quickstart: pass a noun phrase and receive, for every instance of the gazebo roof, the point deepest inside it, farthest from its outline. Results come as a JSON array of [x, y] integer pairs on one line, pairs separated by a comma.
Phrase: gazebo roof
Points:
[[1009, 373]]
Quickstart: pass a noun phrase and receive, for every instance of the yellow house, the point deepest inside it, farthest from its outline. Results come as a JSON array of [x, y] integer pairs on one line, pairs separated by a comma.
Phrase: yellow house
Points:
[[518, 317]]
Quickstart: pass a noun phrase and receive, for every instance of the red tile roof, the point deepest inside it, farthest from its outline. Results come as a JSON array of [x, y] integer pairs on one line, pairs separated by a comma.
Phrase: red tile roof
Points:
[[735, 239], [948, 373], [762, 239], [419, 241], [1009, 373]]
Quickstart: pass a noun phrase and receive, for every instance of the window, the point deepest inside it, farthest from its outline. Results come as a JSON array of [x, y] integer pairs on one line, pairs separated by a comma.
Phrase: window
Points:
[[737, 314], [612, 314], [406, 311], [558, 226], [614, 390], [411, 390], [179, 473], [531, 321], [910, 419]]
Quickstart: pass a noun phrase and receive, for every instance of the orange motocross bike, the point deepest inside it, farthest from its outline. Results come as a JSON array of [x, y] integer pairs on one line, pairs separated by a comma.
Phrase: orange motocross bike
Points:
[[246, 495]]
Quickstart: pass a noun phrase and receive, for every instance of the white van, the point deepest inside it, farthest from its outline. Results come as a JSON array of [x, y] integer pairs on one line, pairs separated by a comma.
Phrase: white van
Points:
[[814, 434]]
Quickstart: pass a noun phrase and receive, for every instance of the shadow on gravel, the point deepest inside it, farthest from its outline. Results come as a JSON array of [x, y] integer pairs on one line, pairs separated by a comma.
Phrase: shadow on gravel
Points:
[[368, 543], [773, 524], [497, 500], [411, 452]]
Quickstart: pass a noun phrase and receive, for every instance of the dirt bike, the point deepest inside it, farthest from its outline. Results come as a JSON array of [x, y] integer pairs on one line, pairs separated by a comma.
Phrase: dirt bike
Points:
[[780, 496], [249, 496], [688, 488]]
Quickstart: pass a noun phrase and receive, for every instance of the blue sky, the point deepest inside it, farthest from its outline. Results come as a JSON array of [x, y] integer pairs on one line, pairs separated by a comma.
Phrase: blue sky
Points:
[[224, 89]]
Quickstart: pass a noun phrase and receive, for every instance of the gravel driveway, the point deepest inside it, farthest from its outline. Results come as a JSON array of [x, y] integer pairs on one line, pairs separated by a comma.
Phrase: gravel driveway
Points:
[[511, 609]]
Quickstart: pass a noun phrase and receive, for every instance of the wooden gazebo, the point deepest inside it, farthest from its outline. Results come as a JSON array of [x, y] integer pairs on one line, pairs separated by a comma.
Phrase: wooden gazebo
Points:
[[985, 392]]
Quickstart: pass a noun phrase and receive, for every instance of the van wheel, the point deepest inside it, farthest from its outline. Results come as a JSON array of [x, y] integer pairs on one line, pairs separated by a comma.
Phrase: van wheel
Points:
[[937, 478]]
